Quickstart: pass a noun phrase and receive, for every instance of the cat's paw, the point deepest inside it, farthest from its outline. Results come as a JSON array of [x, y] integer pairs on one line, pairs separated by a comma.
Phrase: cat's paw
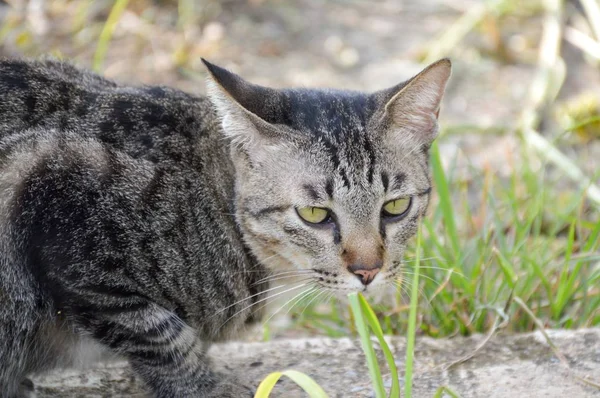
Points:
[[26, 389], [231, 388]]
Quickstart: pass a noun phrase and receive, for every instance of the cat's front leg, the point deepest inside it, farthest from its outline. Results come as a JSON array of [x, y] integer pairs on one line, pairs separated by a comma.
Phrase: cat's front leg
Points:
[[164, 351]]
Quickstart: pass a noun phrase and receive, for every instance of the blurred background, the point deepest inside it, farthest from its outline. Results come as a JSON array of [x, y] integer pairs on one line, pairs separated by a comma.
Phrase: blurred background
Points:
[[513, 238]]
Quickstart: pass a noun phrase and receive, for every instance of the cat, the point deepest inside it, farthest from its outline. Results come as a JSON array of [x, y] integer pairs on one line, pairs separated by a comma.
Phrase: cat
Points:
[[148, 223]]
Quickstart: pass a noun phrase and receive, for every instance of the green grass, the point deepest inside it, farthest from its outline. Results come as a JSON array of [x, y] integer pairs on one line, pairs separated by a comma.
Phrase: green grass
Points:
[[412, 319], [523, 234], [366, 322]]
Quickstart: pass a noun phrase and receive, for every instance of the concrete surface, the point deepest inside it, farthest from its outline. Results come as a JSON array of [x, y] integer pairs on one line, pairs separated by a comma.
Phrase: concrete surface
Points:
[[507, 366]]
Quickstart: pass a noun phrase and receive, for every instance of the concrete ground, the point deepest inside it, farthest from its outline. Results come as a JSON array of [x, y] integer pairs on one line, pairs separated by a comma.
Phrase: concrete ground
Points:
[[507, 366]]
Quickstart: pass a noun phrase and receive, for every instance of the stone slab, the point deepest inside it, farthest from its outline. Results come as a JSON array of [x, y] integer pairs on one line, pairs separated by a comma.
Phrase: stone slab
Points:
[[507, 366]]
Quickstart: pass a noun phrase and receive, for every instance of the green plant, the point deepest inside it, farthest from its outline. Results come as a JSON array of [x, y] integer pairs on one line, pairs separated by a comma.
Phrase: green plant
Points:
[[365, 319], [107, 32], [304, 381]]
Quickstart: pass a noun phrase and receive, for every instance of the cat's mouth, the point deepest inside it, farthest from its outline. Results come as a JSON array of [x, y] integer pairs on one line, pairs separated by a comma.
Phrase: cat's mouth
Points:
[[303, 288], [348, 282]]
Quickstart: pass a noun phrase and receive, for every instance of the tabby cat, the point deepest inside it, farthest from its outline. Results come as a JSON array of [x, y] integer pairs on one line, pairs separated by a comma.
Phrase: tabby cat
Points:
[[148, 223]]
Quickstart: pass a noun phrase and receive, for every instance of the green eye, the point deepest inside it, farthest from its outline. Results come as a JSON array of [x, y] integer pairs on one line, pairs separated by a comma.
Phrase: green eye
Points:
[[396, 207], [313, 215]]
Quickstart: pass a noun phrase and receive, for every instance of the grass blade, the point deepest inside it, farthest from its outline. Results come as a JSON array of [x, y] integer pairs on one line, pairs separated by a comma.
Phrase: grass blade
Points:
[[304, 381], [107, 32], [266, 386], [378, 332], [365, 339], [509, 273], [412, 319], [307, 383], [441, 183], [444, 391]]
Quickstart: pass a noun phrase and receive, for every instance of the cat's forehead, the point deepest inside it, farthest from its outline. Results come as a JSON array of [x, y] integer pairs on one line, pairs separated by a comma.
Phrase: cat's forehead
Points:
[[334, 113], [344, 143]]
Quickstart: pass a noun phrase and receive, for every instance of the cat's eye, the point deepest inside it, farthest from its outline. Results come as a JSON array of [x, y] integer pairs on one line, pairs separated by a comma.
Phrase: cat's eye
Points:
[[396, 207], [314, 215]]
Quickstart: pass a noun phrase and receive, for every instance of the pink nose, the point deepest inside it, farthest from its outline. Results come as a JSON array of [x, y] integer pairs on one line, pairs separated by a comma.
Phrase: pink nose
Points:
[[365, 274]]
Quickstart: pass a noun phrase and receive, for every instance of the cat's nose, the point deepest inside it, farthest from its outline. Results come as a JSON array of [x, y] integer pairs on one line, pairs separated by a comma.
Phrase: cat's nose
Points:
[[365, 274]]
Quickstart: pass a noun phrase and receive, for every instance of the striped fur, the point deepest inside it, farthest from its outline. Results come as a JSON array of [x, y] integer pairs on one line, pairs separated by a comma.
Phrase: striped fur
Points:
[[140, 222]]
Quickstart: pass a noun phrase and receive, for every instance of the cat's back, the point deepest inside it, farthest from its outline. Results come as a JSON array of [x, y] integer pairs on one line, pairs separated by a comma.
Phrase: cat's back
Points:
[[153, 123]]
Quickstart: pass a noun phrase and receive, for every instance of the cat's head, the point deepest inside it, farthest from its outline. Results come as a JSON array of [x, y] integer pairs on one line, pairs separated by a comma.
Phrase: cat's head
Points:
[[330, 184]]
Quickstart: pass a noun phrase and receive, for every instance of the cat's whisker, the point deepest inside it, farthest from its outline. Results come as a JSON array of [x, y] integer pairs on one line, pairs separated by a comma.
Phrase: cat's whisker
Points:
[[403, 289], [264, 260], [412, 260], [311, 300], [420, 291], [426, 299], [399, 284], [261, 300], [328, 298], [405, 272], [249, 271], [282, 275], [444, 269], [269, 280], [300, 295], [311, 291], [404, 293], [262, 306], [248, 298]]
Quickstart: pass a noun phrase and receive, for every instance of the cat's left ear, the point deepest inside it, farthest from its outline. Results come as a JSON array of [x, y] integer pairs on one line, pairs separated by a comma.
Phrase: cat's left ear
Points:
[[249, 112], [413, 107]]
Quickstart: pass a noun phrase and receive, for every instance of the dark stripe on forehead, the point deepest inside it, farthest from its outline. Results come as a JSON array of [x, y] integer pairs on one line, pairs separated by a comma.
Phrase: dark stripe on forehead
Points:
[[344, 176], [371, 154], [385, 180], [335, 159], [312, 192], [331, 150], [398, 181], [329, 188]]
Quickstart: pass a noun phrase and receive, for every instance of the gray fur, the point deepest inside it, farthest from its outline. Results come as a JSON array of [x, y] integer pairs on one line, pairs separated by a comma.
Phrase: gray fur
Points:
[[139, 222]]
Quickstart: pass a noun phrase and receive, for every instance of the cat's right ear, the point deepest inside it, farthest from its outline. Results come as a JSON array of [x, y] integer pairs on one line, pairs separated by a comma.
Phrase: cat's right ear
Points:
[[249, 112], [412, 108]]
